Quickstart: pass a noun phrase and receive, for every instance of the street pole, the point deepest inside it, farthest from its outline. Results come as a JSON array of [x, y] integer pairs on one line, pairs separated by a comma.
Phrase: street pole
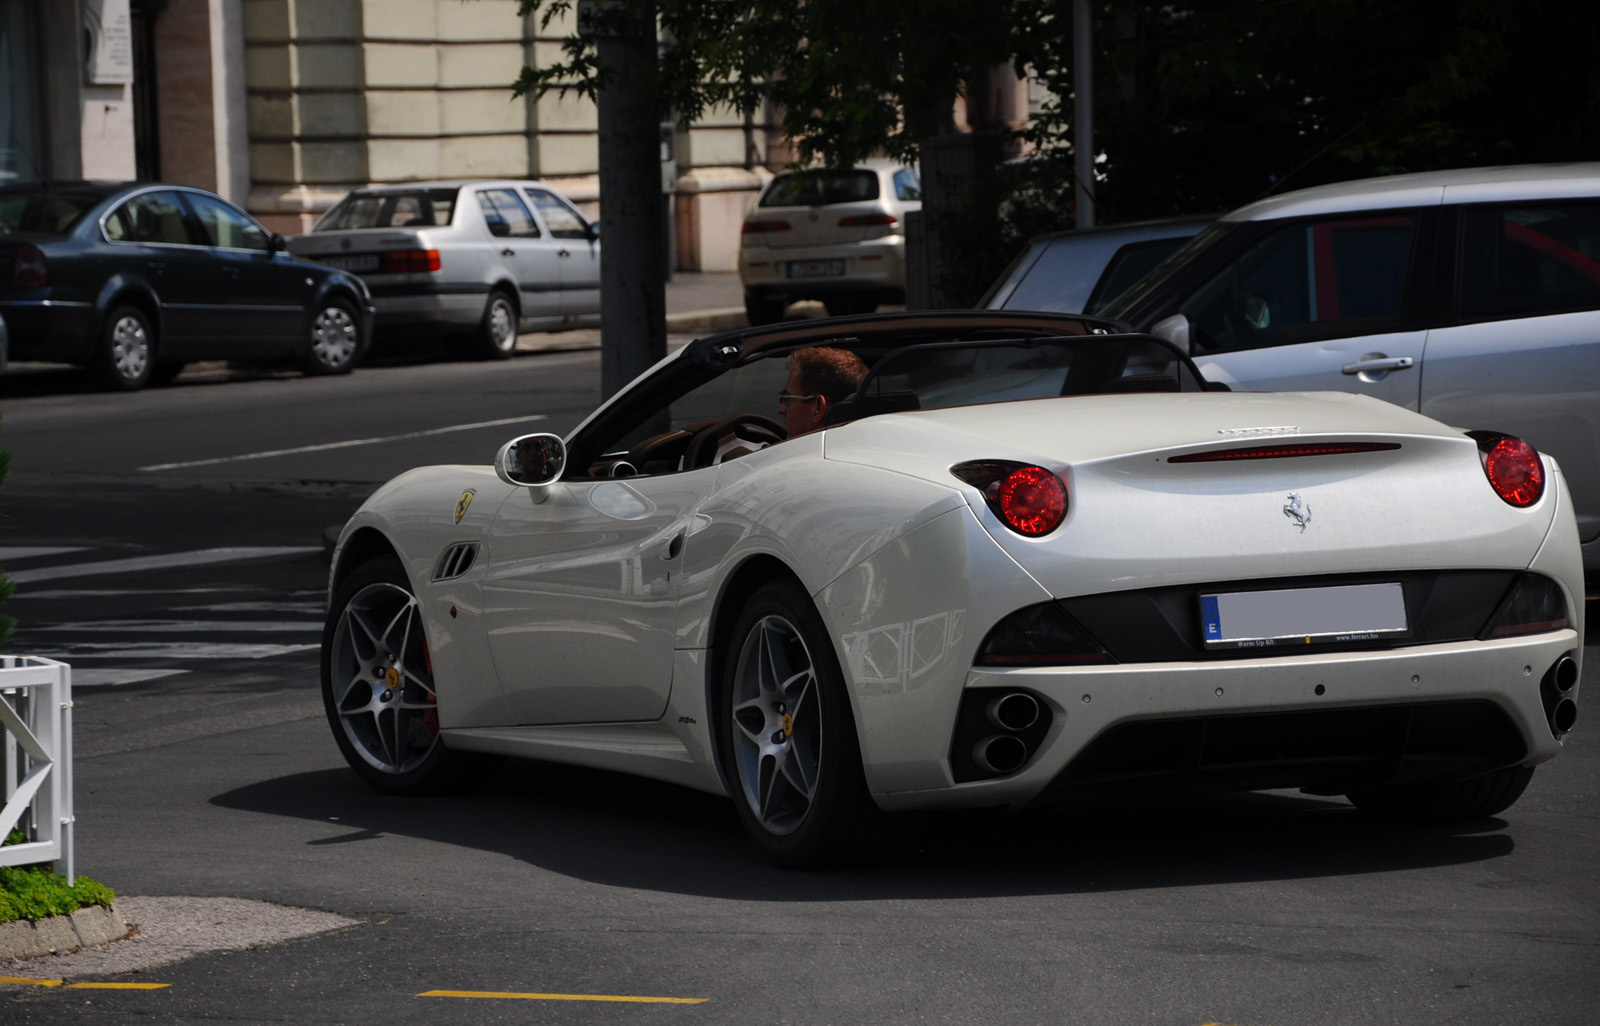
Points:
[[1083, 110], [633, 320]]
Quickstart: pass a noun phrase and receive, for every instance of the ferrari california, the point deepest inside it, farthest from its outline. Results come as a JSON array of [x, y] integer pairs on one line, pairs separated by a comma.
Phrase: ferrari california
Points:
[[1019, 560]]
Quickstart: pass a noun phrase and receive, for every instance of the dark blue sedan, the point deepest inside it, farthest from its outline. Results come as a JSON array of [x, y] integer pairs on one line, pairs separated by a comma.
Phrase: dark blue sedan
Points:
[[133, 280]]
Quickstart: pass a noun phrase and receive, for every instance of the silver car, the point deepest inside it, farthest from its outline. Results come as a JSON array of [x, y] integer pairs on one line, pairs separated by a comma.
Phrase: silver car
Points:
[[835, 235], [1472, 296], [482, 260]]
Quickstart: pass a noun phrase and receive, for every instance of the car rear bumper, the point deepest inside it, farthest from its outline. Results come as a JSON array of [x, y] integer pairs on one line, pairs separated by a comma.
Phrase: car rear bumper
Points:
[[1313, 721], [434, 309], [51, 330], [801, 272]]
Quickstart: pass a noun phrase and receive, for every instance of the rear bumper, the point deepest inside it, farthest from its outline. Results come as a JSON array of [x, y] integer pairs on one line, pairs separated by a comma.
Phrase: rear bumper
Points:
[[877, 266], [49, 330], [434, 309], [1090, 709]]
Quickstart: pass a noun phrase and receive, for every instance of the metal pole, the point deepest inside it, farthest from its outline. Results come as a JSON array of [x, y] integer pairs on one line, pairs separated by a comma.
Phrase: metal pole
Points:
[[1083, 110]]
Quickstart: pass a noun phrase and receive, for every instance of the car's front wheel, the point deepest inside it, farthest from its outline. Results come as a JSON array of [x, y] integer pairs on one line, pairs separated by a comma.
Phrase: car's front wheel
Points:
[[127, 352], [335, 341], [788, 739], [377, 684], [1458, 800]]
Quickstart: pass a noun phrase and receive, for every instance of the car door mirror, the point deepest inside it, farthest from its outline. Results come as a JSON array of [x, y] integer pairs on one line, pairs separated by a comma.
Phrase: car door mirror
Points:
[[276, 244], [1175, 329], [499, 227], [534, 461], [594, 231]]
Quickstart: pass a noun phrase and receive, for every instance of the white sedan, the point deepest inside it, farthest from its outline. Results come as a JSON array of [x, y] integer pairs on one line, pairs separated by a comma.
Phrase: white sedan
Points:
[[1027, 561]]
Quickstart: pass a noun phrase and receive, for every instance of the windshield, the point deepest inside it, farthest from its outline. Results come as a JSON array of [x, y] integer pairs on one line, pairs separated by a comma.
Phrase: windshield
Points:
[[1123, 306], [820, 188], [51, 213], [411, 208]]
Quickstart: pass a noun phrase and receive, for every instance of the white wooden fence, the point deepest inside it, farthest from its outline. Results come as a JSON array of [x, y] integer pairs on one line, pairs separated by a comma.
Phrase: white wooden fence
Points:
[[36, 721]]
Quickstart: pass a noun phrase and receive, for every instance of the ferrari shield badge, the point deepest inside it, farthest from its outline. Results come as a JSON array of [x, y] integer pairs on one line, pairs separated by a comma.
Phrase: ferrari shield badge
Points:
[[1295, 509], [463, 502]]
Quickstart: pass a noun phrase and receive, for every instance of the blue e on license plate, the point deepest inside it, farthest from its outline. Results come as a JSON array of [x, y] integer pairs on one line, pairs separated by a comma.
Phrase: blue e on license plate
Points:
[[1286, 616]]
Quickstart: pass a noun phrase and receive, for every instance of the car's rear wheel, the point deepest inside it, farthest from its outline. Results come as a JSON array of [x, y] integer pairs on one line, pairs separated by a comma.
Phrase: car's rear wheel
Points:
[[763, 309], [496, 338], [1448, 802], [788, 739], [126, 357], [335, 341], [378, 688]]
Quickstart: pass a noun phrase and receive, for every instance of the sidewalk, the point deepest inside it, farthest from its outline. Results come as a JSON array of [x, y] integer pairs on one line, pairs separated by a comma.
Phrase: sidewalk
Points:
[[698, 303]]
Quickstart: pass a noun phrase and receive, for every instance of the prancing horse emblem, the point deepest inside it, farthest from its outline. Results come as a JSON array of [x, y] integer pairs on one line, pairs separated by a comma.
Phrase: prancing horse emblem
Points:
[[1297, 511], [463, 502]]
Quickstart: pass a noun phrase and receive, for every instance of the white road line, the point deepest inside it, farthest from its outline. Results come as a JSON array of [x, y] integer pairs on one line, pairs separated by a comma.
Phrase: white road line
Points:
[[171, 559], [110, 676], [76, 593], [341, 445], [8, 552], [181, 626], [173, 650], [252, 607]]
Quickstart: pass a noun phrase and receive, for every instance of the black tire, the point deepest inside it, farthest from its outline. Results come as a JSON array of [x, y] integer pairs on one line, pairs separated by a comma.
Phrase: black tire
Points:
[[127, 354], [763, 310], [496, 337], [1477, 798], [850, 303], [333, 345], [787, 738], [378, 689]]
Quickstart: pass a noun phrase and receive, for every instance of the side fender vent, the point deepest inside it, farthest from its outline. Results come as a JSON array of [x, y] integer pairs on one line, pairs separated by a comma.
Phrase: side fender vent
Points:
[[455, 561]]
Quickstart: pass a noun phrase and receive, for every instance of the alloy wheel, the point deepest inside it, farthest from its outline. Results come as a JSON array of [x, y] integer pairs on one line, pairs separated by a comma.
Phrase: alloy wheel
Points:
[[382, 679], [777, 725]]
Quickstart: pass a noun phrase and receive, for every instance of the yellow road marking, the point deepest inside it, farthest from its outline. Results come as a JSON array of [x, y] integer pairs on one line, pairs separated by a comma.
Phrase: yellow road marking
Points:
[[30, 982], [562, 997]]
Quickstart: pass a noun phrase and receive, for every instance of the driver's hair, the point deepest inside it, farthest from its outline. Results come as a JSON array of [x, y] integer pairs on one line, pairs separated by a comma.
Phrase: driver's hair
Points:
[[826, 371]]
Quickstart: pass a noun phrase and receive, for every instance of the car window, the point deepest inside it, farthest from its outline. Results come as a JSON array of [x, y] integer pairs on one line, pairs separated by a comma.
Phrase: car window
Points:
[[559, 216], [159, 217], [819, 188], [1524, 261], [119, 227], [424, 208], [1307, 281], [226, 226], [503, 206], [907, 186], [53, 213], [1128, 265]]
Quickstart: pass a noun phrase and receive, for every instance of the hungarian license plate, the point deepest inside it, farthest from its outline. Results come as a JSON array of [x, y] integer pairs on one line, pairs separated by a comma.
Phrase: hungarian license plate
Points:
[[1287, 616], [360, 264], [815, 268]]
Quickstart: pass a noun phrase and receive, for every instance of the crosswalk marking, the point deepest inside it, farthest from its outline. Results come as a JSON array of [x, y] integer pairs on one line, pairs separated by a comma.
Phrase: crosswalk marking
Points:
[[10, 552], [186, 626], [111, 676], [174, 650], [134, 564]]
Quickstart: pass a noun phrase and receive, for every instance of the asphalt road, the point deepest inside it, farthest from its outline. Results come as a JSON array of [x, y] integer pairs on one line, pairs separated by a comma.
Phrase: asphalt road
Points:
[[204, 769]]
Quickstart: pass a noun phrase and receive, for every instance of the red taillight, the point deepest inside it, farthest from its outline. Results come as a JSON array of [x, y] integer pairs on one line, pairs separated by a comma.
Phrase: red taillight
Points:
[[758, 227], [1031, 500], [410, 261], [30, 270], [862, 220], [1514, 469]]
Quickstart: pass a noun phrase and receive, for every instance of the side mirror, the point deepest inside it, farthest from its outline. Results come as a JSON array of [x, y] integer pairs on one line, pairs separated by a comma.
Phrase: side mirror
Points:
[[1174, 329], [498, 227], [276, 244], [594, 231], [534, 461]]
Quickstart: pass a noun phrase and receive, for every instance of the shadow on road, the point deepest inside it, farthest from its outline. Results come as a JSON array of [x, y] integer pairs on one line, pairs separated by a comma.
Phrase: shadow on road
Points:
[[621, 831]]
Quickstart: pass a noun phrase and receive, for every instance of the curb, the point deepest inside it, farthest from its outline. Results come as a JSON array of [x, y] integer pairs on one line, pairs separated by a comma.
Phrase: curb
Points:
[[86, 928]]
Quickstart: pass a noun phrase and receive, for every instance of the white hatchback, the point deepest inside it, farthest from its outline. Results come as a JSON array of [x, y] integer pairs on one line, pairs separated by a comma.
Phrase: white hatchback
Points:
[[483, 260], [835, 235]]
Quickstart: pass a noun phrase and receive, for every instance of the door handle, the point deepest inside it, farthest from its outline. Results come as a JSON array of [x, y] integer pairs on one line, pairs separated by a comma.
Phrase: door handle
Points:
[[563, 253], [232, 272], [1388, 363], [508, 252], [158, 266]]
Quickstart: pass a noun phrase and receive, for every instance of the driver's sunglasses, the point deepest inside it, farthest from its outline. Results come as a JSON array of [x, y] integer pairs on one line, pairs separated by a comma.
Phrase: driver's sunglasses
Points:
[[785, 398]]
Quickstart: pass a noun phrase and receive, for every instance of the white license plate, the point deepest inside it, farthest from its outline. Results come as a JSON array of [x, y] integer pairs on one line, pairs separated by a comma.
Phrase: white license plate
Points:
[[815, 268], [359, 264], [1355, 612]]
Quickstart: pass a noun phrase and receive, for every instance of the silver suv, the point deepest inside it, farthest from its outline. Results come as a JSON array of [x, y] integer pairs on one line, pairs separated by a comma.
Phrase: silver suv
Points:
[[482, 260], [1471, 295]]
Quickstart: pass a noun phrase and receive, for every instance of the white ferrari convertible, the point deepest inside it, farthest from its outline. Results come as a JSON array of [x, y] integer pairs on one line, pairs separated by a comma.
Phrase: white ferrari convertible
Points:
[[1023, 560]]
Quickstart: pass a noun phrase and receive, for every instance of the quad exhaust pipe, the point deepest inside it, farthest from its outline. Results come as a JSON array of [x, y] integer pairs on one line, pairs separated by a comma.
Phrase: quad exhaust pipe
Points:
[[1557, 687], [1013, 712], [1000, 753]]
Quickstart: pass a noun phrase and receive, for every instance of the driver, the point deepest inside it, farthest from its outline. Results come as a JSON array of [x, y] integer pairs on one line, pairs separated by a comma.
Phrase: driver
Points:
[[819, 376]]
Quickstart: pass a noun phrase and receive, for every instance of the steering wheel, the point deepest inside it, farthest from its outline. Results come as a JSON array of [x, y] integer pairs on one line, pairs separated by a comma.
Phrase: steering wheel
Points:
[[749, 427], [667, 445]]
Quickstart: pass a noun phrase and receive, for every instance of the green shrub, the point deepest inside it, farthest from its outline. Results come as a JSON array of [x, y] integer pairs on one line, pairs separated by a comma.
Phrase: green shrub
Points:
[[35, 892]]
